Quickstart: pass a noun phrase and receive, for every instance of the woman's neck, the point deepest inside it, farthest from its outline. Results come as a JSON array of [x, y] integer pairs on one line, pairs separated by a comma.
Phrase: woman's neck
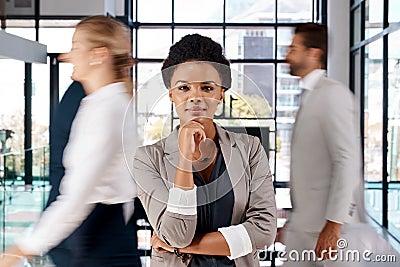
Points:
[[92, 86]]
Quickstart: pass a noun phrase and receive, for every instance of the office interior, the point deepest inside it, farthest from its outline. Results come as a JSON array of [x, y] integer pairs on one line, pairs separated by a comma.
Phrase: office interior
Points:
[[364, 37]]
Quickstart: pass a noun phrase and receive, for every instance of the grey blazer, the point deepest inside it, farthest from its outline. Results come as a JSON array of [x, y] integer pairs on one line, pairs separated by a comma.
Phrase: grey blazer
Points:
[[325, 159], [248, 168]]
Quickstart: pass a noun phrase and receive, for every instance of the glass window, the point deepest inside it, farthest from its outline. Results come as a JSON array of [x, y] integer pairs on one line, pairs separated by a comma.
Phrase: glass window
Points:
[[284, 36], [373, 17], [40, 106], [154, 11], [288, 93], [40, 121], [27, 33], [12, 101], [215, 34], [198, 11], [356, 18], [373, 128], [394, 134], [394, 7], [154, 43], [295, 11], [153, 104], [250, 11], [250, 43], [254, 84], [58, 40]]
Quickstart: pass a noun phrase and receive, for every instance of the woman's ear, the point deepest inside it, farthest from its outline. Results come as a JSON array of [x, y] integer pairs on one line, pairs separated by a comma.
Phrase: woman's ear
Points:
[[100, 54], [222, 95], [170, 95]]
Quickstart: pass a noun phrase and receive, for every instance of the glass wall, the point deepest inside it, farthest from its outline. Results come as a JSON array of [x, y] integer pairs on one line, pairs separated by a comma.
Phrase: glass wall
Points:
[[20, 208], [373, 96], [393, 156], [375, 58]]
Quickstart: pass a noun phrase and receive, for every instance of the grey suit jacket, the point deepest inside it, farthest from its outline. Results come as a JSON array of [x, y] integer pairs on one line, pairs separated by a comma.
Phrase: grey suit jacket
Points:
[[325, 159], [248, 168]]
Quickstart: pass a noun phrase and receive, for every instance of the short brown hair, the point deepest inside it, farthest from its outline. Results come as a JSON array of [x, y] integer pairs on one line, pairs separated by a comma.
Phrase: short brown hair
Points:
[[314, 36]]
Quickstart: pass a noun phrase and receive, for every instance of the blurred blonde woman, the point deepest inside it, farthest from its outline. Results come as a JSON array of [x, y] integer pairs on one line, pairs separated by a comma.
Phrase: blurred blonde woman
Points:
[[97, 191]]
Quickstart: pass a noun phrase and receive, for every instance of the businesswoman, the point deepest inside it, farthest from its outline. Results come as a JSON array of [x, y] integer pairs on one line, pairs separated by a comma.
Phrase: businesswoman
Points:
[[97, 190], [207, 192]]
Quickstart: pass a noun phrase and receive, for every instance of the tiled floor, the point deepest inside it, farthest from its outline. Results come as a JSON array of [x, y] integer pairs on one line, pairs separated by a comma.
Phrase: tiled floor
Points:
[[23, 207]]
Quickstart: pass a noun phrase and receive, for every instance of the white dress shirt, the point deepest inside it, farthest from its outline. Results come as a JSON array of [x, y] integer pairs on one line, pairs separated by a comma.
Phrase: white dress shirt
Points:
[[310, 80], [97, 163]]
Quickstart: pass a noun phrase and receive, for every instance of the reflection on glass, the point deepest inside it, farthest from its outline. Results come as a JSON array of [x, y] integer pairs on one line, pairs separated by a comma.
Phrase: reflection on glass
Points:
[[199, 11], [154, 11], [373, 128], [373, 17], [215, 34], [154, 43], [295, 11], [394, 134], [255, 43], [250, 11]]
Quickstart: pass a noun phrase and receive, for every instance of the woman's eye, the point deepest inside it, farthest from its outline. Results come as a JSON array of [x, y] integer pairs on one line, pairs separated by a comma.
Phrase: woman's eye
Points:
[[183, 88], [207, 88]]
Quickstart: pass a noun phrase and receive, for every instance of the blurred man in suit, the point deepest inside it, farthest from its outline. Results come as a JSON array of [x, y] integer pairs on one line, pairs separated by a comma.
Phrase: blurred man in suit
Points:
[[325, 158], [60, 129]]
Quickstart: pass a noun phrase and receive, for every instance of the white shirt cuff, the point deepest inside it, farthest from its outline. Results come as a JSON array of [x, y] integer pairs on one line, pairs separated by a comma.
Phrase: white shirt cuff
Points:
[[182, 201], [31, 246], [238, 240]]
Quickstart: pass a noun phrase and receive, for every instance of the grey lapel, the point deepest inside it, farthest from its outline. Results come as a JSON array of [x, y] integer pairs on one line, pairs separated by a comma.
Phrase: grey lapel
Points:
[[171, 154], [236, 167]]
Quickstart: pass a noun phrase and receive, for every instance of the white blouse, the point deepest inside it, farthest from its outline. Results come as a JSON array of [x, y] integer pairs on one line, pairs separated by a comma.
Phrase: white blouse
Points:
[[97, 160]]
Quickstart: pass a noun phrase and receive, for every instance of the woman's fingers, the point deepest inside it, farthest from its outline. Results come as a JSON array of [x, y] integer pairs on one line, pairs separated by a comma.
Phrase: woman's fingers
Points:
[[190, 135], [158, 245]]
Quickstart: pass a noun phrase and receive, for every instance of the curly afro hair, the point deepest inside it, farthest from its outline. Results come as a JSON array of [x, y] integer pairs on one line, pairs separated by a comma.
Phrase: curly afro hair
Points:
[[195, 47]]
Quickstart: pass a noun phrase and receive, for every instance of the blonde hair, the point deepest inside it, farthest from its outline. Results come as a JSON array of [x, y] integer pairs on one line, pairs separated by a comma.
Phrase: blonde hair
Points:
[[102, 31]]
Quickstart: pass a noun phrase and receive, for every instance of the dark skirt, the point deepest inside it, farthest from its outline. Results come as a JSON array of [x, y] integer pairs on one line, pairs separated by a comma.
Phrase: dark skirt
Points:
[[104, 239]]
